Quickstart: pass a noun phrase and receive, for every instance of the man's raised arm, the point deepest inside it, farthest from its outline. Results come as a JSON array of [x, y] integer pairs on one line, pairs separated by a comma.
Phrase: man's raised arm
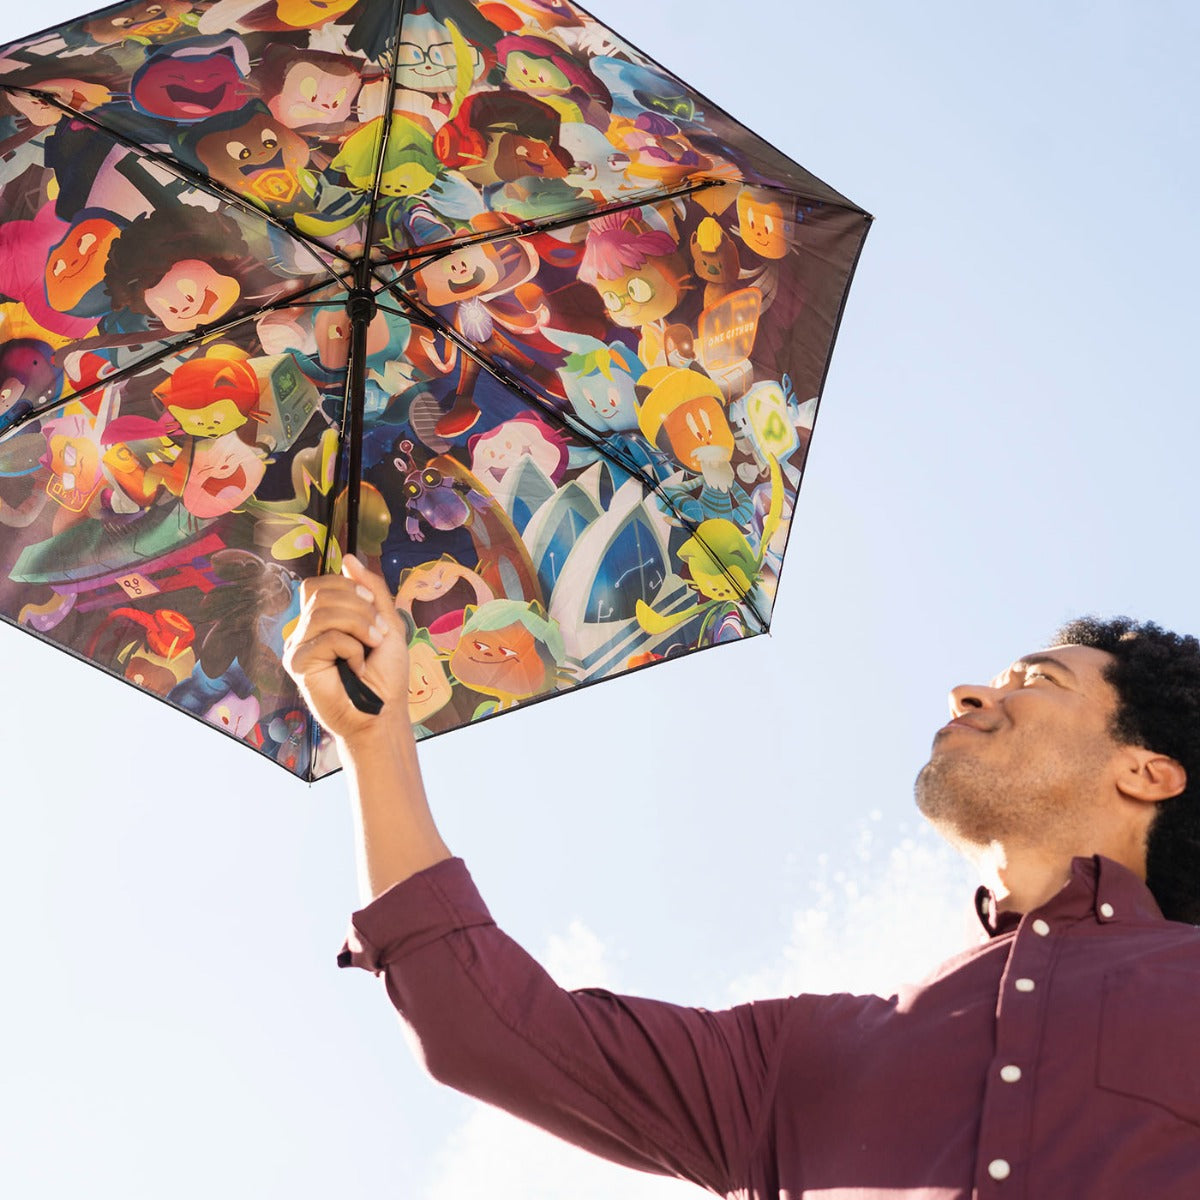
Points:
[[654, 1086], [343, 616]]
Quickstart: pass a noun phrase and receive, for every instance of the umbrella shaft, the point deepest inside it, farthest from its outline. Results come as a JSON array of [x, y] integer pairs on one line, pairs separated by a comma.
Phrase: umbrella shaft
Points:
[[360, 306]]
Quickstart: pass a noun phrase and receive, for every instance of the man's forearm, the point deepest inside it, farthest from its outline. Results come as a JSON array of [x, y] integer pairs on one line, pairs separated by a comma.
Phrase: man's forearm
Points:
[[395, 832]]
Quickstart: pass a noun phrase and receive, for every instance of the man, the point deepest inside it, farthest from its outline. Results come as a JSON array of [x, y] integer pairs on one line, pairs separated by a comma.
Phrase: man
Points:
[[1060, 1058]]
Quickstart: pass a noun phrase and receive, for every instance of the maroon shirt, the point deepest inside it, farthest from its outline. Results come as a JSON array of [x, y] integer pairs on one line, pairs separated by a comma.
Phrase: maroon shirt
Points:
[[1059, 1059]]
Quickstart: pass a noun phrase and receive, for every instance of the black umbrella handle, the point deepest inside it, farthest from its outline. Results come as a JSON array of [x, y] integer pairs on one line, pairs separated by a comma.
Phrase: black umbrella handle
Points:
[[360, 695]]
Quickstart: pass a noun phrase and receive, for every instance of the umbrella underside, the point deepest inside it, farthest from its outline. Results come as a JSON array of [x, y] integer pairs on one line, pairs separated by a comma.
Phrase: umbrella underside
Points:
[[594, 316]]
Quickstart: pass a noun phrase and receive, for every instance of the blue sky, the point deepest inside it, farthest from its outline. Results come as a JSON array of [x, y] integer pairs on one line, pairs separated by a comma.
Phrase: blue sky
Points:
[[1008, 439]]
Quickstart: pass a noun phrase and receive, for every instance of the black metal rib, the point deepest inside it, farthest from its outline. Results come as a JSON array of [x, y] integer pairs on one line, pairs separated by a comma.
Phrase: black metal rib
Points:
[[427, 254], [196, 338]]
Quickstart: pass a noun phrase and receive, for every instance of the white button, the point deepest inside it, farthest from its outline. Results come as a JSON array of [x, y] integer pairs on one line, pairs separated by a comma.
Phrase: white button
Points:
[[1024, 985], [1106, 910], [1040, 927], [1010, 1074], [999, 1169]]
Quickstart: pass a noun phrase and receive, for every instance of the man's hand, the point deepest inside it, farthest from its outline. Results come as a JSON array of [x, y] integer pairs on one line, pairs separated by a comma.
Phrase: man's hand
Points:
[[350, 616]]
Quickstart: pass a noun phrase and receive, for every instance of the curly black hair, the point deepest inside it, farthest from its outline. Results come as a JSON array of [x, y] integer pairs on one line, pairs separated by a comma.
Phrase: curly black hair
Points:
[[1156, 675], [155, 242]]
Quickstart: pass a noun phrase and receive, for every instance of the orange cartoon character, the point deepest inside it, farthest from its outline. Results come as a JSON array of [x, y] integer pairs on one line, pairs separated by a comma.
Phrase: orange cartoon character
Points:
[[212, 396], [682, 412], [512, 651]]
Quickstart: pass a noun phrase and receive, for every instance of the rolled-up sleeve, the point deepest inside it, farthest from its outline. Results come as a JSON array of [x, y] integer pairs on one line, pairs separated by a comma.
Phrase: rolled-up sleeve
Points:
[[678, 1091]]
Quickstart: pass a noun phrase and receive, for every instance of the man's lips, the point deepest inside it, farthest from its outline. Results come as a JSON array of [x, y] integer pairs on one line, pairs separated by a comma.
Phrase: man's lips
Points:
[[962, 723]]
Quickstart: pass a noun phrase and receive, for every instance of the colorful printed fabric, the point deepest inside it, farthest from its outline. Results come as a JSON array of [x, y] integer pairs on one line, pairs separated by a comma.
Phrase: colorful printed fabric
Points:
[[604, 316]]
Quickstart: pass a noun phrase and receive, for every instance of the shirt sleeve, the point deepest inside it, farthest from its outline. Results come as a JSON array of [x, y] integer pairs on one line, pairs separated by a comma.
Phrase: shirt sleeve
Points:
[[662, 1088]]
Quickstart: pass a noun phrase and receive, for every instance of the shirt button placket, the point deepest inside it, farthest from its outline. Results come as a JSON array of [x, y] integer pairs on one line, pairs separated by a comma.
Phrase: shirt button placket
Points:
[[1006, 1119]]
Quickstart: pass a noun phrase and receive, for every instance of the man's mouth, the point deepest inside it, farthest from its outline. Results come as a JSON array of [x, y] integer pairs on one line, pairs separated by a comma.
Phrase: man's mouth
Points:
[[961, 723]]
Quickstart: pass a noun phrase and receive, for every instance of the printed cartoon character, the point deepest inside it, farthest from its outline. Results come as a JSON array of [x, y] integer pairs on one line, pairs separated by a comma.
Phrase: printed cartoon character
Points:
[[511, 651], [181, 268], [307, 90], [442, 502], [222, 473], [658, 150], [537, 14], [26, 248], [28, 377], [763, 224], [141, 22], [769, 415], [714, 260], [139, 457], [73, 460], [74, 275], [246, 585], [437, 62], [544, 69], [682, 412], [272, 15], [436, 596], [189, 81], [253, 154], [599, 170], [599, 380], [451, 496], [638, 88], [410, 167], [429, 687], [495, 453], [156, 654], [213, 396], [234, 714], [720, 564], [501, 136], [486, 290], [635, 267]]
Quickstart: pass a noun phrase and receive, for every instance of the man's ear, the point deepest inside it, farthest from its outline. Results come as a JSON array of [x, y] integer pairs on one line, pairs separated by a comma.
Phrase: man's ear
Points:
[[1149, 777]]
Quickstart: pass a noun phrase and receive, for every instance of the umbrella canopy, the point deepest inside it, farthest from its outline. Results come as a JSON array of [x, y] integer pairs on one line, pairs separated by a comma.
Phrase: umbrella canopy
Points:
[[476, 290]]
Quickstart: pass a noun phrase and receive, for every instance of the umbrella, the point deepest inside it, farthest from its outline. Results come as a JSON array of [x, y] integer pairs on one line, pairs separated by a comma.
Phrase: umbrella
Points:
[[474, 290]]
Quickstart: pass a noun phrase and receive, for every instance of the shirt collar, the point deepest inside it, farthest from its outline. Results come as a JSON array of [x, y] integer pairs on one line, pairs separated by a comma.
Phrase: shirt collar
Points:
[[1098, 888]]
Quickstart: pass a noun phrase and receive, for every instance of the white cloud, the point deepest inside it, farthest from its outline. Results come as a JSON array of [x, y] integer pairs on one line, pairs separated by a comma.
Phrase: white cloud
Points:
[[887, 920], [892, 916], [579, 959]]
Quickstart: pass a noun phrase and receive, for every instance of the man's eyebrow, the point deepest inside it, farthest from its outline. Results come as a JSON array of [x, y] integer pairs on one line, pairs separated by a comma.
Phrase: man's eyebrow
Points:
[[1032, 660]]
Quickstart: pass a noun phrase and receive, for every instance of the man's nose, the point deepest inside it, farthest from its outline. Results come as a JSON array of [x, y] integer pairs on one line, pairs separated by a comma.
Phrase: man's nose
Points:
[[969, 696]]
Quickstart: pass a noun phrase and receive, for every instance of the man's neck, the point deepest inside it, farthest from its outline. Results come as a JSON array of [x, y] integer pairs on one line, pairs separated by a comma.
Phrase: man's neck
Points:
[[1022, 879]]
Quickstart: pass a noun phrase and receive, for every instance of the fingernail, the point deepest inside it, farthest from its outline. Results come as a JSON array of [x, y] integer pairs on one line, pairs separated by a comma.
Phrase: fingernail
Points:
[[380, 628], [364, 592], [351, 559]]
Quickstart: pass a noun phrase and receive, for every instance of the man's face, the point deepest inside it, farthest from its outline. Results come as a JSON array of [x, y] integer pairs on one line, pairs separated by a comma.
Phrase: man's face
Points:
[[1027, 758]]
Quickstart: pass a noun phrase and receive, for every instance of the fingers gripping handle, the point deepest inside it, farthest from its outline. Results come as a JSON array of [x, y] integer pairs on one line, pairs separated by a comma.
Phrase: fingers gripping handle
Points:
[[361, 696]]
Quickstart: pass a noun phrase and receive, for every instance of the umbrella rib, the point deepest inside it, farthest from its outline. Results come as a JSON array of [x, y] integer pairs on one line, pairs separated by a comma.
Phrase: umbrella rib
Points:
[[200, 335], [423, 257], [183, 171], [364, 263], [580, 430]]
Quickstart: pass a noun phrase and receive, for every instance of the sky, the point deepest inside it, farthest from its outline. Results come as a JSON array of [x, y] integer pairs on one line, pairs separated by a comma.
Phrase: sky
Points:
[[1007, 439]]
